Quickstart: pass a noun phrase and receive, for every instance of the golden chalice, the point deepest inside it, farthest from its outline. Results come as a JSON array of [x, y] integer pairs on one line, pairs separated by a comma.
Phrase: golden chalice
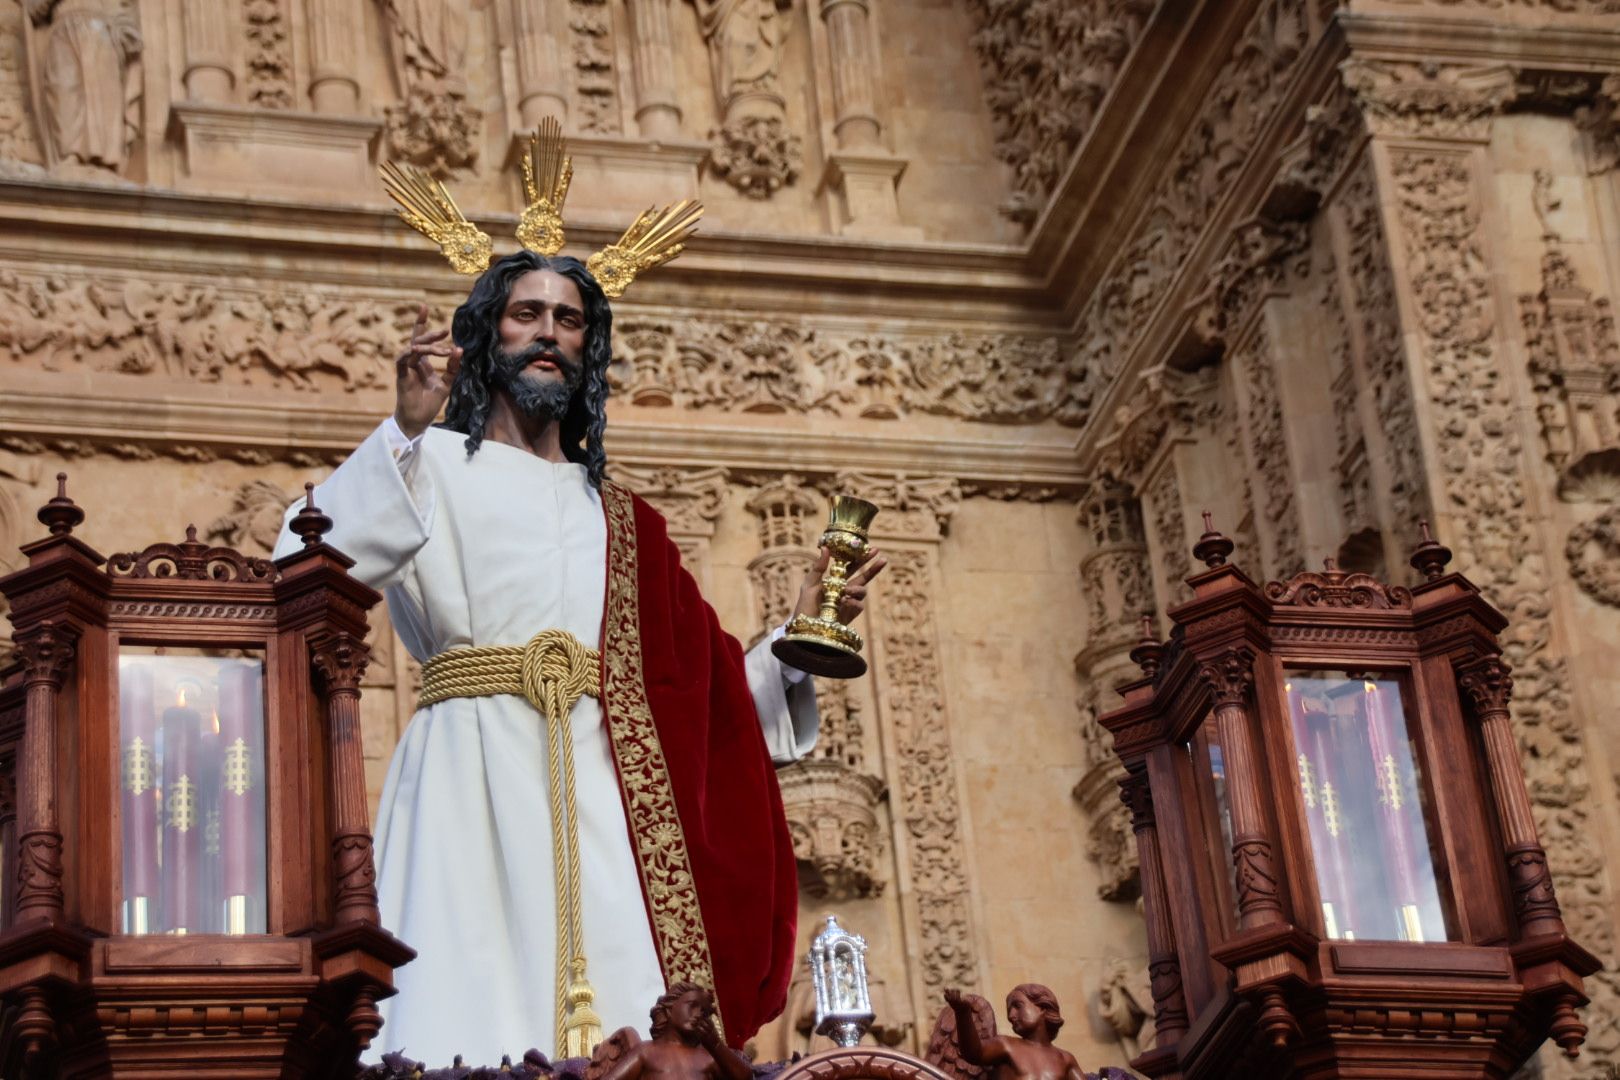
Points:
[[820, 644]]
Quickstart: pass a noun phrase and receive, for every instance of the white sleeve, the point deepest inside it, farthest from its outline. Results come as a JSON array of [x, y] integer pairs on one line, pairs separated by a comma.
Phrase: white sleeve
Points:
[[785, 700], [381, 506]]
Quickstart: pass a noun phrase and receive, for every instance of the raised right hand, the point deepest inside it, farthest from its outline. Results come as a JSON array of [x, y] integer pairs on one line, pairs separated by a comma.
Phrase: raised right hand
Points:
[[420, 389]]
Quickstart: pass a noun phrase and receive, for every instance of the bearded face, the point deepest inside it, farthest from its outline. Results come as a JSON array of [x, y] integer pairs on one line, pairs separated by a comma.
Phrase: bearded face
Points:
[[536, 392]]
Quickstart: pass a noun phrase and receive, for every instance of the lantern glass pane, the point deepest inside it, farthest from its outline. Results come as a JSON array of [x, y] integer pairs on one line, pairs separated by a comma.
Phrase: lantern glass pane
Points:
[[1370, 823], [1214, 809], [191, 776]]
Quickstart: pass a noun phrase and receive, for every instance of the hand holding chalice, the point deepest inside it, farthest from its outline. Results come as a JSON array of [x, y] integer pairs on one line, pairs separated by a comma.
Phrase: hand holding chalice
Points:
[[822, 644]]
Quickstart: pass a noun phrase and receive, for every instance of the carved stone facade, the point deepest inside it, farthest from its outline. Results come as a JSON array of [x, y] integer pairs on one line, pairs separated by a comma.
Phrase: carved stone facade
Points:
[[1320, 269]]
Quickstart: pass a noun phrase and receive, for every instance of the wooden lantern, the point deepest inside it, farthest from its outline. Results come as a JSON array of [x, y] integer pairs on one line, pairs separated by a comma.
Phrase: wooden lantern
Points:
[[1340, 870], [193, 884]]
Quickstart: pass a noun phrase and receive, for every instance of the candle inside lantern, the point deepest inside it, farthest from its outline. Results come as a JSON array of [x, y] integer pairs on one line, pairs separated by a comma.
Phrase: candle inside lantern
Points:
[[141, 796], [240, 798], [182, 817]]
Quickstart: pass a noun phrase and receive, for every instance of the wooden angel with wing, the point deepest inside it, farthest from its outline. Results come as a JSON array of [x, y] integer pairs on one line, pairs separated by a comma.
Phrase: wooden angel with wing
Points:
[[685, 1044], [964, 1043]]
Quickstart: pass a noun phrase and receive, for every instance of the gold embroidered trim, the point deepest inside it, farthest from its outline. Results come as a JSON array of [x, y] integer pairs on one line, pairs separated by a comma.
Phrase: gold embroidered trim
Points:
[[649, 797]]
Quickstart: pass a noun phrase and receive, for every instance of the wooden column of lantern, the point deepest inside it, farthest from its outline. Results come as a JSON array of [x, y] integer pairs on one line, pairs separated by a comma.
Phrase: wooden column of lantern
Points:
[[1340, 877], [86, 998]]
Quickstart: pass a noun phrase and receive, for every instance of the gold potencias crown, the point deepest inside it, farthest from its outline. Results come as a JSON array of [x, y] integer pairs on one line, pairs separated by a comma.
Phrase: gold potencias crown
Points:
[[655, 237]]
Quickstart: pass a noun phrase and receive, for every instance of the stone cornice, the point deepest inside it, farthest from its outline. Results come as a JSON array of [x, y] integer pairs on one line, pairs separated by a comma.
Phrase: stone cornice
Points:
[[1005, 458], [169, 231], [1463, 40]]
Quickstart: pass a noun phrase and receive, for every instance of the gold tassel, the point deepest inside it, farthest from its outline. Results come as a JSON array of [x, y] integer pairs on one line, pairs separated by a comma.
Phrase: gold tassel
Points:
[[583, 1031]]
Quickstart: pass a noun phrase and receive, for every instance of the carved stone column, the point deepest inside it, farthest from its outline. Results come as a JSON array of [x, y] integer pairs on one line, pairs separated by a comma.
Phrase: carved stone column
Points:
[[854, 74], [908, 675], [831, 800], [658, 111], [543, 61], [1117, 586], [334, 42], [860, 178], [210, 31]]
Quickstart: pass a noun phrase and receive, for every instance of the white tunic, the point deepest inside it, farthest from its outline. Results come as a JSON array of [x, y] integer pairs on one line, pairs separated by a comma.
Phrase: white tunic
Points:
[[490, 551]]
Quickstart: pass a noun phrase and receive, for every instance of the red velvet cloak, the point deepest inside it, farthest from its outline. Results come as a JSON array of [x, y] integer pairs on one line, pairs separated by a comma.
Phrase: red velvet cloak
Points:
[[699, 789]]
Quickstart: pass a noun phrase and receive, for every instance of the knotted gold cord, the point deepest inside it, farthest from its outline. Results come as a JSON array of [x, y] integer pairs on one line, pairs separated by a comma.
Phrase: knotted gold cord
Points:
[[553, 671]]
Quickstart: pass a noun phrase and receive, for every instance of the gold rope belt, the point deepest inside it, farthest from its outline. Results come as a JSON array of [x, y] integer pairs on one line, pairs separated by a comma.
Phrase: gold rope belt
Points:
[[553, 671]]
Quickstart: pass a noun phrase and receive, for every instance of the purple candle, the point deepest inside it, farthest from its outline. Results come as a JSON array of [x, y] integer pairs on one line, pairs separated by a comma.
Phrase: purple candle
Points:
[[141, 795], [239, 799], [182, 814]]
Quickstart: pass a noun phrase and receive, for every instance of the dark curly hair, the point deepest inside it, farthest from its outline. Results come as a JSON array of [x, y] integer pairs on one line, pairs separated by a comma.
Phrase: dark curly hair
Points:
[[477, 329]]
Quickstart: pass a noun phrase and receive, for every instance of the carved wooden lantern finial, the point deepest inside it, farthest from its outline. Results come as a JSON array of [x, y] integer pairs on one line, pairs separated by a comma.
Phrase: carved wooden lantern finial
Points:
[[61, 514], [1212, 547], [309, 522], [1149, 651], [1430, 557]]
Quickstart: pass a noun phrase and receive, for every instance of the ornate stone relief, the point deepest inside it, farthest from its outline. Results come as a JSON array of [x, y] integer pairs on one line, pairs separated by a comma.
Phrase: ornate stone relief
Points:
[[759, 366], [831, 801], [1269, 459], [1117, 585], [1048, 65], [790, 512], [1387, 379], [909, 682], [689, 499], [1574, 366], [1600, 120], [1484, 491], [1243, 96], [753, 148], [1254, 263], [913, 696], [433, 125], [1163, 503], [85, 54], [1593, 551], [1428, 100], [1229, 428], [254, 519], [300, 339], [269, 54], [18, 146], [596, 87], [173, 451], [1117, 579], [1125, 1000], [913, 507], [1357, 506]]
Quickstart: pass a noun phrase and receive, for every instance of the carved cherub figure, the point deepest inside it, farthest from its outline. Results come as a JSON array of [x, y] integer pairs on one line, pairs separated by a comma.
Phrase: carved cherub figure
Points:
[[685, 1044], [1027, 1054]]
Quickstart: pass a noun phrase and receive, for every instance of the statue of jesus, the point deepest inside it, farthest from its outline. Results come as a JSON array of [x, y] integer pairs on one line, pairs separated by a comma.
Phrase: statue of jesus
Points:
[[583, 810]]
